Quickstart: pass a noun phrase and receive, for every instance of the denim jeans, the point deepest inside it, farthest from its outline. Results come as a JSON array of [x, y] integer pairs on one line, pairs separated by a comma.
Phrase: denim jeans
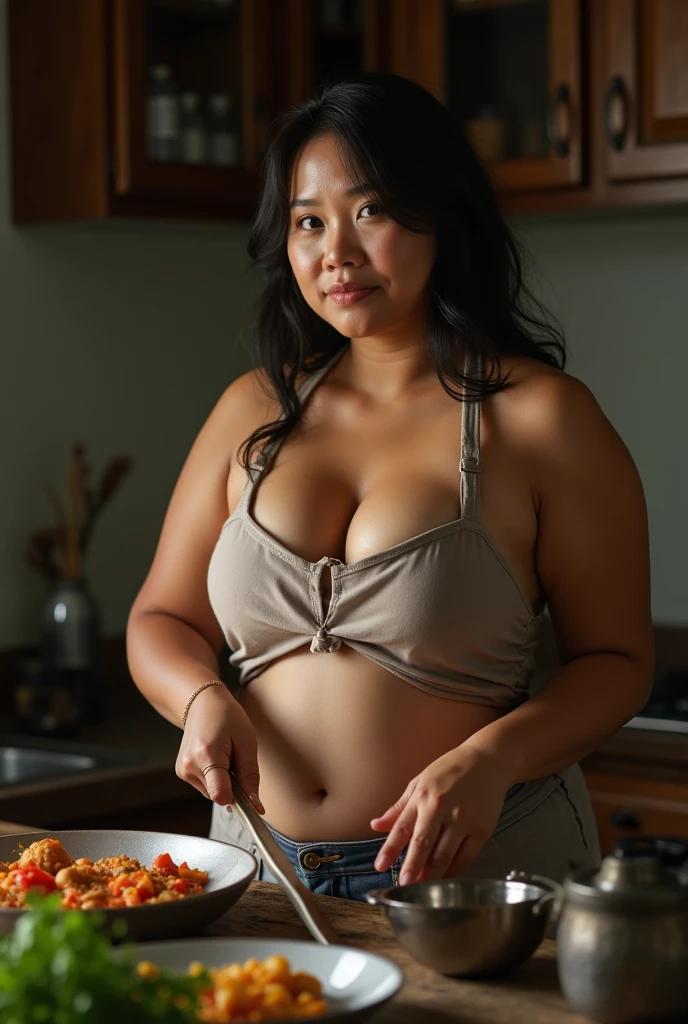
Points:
[[338, 869]]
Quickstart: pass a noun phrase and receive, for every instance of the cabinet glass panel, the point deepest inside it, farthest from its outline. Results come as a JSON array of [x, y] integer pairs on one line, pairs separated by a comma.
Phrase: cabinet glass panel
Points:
[[338, 40], [194, 79], [497, 61]]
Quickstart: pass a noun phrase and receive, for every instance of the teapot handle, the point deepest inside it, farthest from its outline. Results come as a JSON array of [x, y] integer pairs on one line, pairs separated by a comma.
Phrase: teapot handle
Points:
[[555, 892], [669, 850]]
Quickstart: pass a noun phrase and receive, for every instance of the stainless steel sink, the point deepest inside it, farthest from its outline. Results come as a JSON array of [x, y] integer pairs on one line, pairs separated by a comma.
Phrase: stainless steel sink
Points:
[[18, 765], [23, 761]]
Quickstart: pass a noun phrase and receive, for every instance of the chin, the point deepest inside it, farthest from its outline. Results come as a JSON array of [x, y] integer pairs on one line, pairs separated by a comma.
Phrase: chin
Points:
[[353, 325]]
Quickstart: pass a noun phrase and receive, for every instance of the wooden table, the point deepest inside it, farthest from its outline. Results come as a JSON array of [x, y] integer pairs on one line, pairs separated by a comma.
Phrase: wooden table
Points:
[[528, 995]]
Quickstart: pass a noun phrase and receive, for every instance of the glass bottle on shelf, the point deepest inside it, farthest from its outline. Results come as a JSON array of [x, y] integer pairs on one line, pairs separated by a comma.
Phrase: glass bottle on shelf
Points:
[[224, 141], [193, 130], [162, 122]]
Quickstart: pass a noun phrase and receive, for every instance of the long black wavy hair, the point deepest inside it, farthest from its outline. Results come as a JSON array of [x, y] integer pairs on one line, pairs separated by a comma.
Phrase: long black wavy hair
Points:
[[403, 144]]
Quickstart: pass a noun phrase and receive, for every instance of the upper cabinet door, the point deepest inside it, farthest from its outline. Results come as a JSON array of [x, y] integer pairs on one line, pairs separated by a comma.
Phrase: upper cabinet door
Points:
[[329, 40], [645, 100], [510, 72], [191, 97]]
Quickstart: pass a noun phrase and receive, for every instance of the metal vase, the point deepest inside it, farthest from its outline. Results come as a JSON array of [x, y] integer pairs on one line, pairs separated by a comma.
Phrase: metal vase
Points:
[[71, 627]]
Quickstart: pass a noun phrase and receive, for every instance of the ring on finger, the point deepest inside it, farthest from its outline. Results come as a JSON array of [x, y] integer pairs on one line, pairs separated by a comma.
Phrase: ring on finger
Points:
[[210, 767]]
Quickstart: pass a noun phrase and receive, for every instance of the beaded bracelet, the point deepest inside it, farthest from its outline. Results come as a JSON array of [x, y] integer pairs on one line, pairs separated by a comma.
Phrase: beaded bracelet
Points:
[[211, 682]]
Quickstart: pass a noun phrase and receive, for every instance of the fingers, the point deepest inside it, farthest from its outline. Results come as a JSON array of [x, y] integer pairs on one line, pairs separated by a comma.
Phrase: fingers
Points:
[[218, 785], [422, 843], [245, 768], [398, 839], [465, 856], [451, 840], [214, 783], [385, 822]]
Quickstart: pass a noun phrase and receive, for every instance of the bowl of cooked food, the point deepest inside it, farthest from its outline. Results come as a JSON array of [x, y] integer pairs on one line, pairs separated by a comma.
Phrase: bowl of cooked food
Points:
[[161, 885], [59, 966]]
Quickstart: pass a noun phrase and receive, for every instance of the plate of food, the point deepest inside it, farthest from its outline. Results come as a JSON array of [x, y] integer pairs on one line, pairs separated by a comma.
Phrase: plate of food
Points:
[[247, 979], [58, 966], [162, 885]]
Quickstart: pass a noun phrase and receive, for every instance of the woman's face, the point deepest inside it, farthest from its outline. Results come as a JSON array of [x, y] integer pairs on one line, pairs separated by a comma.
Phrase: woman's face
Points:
[[356, 267]]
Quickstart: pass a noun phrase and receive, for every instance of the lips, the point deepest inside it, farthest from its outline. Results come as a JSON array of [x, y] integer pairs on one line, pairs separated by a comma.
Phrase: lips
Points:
[[348, 292]]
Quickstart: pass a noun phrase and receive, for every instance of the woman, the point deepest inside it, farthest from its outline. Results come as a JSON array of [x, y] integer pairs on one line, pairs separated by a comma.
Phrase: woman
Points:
[[375, 519]]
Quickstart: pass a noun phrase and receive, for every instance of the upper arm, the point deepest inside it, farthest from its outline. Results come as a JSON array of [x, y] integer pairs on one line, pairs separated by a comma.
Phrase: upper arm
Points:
[[592, 552], [176, 583]]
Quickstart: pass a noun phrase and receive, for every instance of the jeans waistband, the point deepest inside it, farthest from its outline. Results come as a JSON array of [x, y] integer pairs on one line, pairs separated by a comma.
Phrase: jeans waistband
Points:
[[331, 858], [340, 857]]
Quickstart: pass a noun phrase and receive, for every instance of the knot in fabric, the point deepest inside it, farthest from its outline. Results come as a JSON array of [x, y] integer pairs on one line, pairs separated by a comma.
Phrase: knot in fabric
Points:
[[324, 643]]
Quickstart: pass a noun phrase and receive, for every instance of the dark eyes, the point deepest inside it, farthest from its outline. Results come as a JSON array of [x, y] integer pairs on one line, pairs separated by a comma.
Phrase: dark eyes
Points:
[[310, 222]]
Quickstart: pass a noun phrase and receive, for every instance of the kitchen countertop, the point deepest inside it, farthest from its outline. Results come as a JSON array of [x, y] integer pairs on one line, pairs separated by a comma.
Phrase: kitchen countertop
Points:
[[528, 995]]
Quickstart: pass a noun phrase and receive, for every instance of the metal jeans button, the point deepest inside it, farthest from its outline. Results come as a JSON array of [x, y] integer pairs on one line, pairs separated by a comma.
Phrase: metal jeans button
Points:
[[312, 861]]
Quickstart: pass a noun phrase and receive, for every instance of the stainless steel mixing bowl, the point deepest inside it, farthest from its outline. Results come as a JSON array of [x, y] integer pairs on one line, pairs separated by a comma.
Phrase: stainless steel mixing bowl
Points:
[[471, 927]]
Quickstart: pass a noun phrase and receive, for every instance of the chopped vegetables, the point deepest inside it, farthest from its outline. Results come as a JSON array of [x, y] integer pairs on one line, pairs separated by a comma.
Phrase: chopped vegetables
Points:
[[258, 991], [58, 968], [30, 877], [109, 882]]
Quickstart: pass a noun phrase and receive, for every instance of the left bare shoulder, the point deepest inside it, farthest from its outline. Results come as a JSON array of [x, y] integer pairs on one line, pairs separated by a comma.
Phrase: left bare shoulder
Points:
[[553, 416]]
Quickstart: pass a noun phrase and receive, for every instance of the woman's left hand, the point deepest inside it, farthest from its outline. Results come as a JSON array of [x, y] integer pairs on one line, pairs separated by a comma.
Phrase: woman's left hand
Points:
[[446, 814]]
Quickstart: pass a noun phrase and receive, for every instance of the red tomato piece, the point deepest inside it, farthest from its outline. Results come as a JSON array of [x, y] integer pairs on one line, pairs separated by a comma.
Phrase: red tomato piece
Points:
[[181, 886], [165, 865], [27, 878]]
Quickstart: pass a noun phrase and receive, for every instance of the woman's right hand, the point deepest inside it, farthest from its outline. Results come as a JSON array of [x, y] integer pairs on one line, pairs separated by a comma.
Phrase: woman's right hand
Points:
[[219, 732]]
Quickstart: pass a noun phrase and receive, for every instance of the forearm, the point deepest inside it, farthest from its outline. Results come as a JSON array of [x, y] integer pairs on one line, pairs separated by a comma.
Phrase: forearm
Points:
[[587, 700], [168, 660]]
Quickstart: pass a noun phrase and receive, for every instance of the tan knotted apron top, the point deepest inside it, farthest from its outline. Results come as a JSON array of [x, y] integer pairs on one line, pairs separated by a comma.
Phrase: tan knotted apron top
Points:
[[442, 610]]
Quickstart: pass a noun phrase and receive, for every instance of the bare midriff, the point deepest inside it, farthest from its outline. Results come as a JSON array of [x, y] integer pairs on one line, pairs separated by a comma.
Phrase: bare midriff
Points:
[[339, 739]]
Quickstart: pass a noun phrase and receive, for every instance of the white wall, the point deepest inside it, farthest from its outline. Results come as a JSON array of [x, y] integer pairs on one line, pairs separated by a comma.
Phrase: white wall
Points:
[[123, 335]]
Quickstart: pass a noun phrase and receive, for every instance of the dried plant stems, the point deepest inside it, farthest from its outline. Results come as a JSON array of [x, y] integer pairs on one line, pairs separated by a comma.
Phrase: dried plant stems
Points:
[[58, 551]]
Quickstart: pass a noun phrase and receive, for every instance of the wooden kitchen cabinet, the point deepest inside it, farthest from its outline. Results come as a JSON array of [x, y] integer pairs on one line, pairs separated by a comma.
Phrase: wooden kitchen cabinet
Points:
[[571, 104], [329, 40], [645, 99], [510, 71], [82, 74], [628, 806]]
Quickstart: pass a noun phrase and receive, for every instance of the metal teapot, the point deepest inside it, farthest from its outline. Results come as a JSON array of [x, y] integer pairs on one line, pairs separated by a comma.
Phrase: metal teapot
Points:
[[622, 940]]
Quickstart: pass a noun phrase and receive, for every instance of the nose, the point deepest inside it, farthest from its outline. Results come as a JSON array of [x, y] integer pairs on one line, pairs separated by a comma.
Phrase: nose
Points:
[[342, 248]]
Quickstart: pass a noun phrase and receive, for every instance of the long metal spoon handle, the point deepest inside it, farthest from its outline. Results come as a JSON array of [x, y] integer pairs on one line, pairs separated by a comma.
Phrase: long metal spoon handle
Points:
[[281, 867]]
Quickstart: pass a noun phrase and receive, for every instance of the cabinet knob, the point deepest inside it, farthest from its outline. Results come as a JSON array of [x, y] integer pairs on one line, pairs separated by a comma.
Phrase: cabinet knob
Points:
[[560, 100], [624, 819], [615, 99]]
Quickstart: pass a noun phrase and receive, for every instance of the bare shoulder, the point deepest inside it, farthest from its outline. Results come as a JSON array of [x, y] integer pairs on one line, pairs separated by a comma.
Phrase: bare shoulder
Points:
[[246, 404], [559, 427], [547, 407]]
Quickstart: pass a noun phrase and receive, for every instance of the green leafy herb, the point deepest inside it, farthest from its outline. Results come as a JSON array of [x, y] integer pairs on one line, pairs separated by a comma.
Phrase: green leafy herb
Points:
[[58, 968]]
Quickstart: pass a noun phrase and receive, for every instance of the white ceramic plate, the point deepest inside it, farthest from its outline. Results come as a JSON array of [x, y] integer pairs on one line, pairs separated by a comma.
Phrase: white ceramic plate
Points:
[[355, 983]]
